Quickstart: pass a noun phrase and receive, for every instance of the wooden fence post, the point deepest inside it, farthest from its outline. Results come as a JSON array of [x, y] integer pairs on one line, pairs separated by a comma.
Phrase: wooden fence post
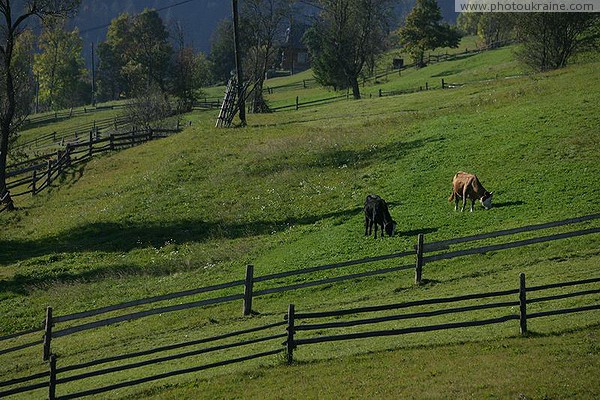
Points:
[[91, 143], [68, 155], [380, 94], [443, 84], [522, 304], [47, 333], [49, 180], [248, 285], [33, 182], [297, 105], [112, 141], [426, 85], [419, 265], [290, 334], [52, 383]]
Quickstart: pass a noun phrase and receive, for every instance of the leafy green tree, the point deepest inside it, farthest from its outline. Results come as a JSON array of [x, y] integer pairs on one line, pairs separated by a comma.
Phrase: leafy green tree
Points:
[[109, 80], [221, 56], [467, 22], [13, 24], [60, 67], [189, 72], [424, 31], [495, 29], [348, 35], [137, 48], [149, 50], [263, 21], [549, 40]]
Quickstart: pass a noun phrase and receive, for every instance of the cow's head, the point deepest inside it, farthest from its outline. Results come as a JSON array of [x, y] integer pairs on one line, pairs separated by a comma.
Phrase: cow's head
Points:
[[390, 228], [486, 200]]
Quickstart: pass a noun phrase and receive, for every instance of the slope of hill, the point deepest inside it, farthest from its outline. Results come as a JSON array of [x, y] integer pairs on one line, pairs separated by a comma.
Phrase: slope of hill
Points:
[[287, 192]]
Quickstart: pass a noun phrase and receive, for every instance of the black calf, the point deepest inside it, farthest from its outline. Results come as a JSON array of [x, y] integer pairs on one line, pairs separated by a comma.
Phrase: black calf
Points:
[[376, 212]]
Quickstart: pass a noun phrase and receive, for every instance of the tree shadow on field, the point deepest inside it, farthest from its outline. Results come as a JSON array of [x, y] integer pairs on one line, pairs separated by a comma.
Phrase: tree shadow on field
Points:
[[124, 236], [340, 158]]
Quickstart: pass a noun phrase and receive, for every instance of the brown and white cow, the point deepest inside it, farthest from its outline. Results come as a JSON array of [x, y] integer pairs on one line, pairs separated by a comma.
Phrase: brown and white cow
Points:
[[465, 185]]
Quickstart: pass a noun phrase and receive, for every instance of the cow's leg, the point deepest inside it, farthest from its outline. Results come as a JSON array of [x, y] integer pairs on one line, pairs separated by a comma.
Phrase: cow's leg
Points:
[[464, 199], [456, 202], [367, 226], [374, 222], [472, 204]]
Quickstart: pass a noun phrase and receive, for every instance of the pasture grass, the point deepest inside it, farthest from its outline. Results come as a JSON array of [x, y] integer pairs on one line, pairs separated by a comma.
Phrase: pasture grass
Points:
[[286, 192]]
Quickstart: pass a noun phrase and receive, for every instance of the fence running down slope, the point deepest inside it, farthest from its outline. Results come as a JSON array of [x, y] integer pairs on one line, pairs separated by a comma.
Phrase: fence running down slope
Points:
[[297, 330]]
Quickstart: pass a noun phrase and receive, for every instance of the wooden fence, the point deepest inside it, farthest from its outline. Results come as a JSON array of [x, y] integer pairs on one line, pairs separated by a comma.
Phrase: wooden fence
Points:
[[73, 134], [45, 118], [52, 378], [294, 328], [248, 285], [38, 173]]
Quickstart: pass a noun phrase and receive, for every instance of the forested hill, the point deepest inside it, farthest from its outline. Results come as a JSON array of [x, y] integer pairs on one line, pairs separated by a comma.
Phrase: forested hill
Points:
[[198, 17]]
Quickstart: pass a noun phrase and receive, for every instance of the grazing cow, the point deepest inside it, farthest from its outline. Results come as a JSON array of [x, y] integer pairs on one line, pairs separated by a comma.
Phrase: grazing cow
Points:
[[465, 185], [376, 212]]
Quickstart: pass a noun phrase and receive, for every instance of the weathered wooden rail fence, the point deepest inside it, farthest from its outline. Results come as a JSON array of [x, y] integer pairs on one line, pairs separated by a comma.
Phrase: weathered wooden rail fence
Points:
[[73, 134], [249, 290], [48, 117], [295, 327], [37, 174]]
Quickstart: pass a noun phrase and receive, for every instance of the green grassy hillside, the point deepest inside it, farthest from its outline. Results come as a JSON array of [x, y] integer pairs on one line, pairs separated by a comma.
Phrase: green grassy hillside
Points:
[[287, 192]]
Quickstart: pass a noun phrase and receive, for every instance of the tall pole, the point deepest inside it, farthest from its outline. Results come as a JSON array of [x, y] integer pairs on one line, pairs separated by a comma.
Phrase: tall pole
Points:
[[238, 64], [93, 77]]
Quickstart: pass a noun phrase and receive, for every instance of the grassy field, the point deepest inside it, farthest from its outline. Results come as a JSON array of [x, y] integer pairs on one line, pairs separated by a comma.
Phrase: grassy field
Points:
[[287, 192]]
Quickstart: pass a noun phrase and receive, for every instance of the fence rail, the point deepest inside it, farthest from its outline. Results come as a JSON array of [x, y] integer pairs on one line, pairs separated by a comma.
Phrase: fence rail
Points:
[[249, 293], [38, 173], [294, 319], [294, 326]]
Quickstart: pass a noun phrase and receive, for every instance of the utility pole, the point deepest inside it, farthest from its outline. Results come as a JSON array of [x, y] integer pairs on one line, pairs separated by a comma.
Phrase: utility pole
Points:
[[238, 64], [93, 77]]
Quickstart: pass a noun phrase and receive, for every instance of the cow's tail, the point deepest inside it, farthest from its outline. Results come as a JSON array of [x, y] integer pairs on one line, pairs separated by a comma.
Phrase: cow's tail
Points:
[[451, 198]]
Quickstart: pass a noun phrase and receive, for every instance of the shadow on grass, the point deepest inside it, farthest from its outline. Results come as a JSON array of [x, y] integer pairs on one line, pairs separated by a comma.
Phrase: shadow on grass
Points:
[[341, 158], [124, 237]]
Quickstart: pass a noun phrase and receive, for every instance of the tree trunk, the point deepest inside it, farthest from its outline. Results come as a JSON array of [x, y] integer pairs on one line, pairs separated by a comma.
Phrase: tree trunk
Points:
[[5, 124], [355, 88]]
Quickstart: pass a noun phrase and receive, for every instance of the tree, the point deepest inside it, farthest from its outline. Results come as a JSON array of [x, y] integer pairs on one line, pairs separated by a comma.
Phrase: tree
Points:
[[110, 81], [189, 72], [495, 28], [549, 40], [467, 22], [13, 26], [348, 35], [263, 21], [221, 56], [424, 30], [149, 49], [60, 67], [137, 48]]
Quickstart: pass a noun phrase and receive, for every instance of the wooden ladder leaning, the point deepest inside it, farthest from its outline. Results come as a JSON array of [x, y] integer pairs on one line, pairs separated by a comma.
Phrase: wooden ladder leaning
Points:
[[229, 106]]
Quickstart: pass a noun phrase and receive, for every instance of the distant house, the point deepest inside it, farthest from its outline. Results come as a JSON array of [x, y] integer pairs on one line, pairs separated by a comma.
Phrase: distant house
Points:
[[294, 54]]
